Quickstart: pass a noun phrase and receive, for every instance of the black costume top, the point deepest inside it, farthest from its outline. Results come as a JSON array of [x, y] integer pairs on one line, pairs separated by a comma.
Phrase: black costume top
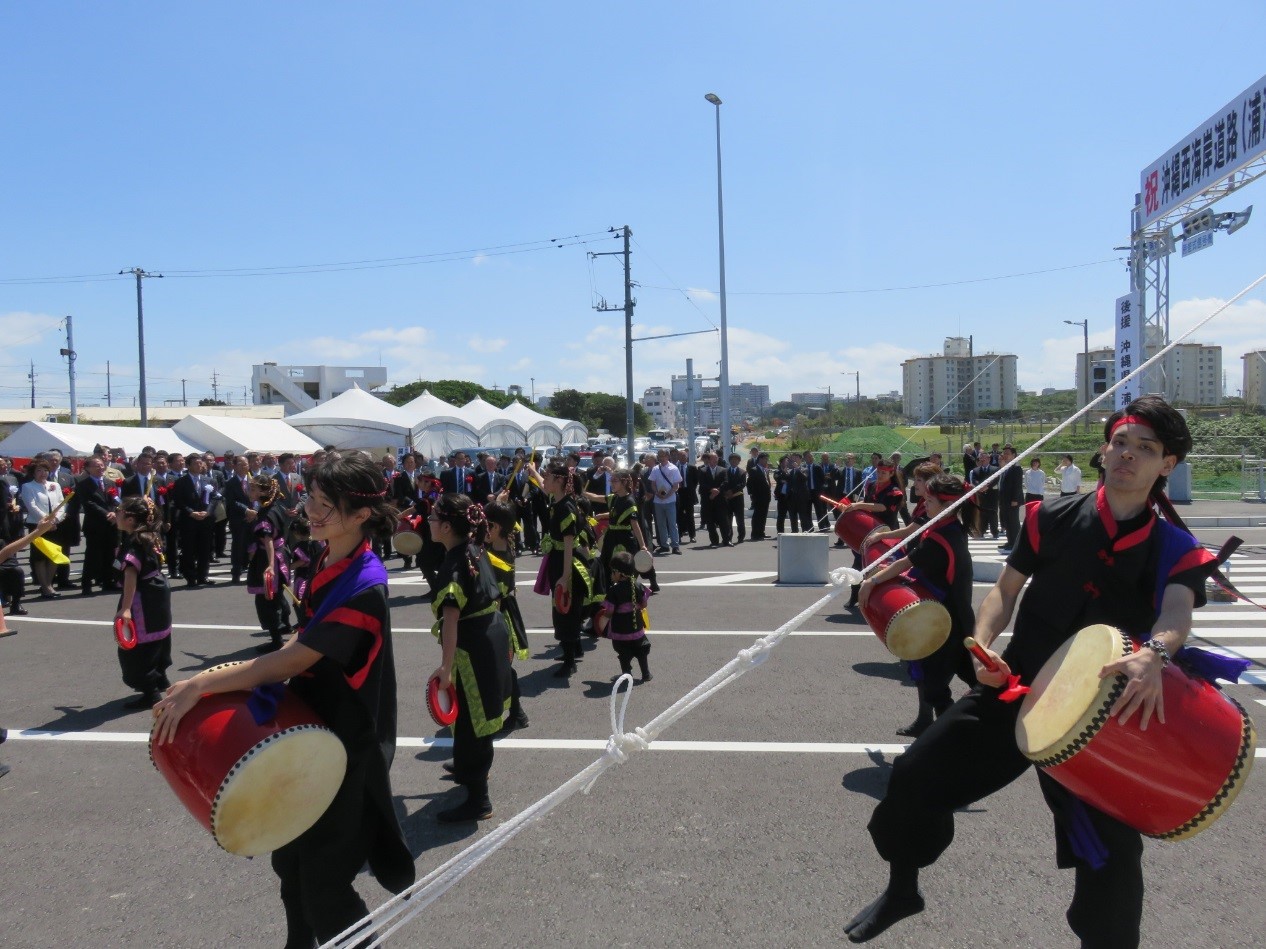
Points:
[[1088, 568], [353, 688], [481, 664], [942, 562]]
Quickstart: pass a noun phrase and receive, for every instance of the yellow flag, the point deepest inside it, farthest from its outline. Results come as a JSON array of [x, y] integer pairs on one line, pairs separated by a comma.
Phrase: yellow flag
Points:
[[50, 550]]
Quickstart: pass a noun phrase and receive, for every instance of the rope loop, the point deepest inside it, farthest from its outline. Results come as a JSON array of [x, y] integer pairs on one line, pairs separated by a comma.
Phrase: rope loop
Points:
[[845, 576]]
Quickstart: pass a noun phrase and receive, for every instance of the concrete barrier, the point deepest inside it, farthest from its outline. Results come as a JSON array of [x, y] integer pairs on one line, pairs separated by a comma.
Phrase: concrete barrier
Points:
[[803, 558]]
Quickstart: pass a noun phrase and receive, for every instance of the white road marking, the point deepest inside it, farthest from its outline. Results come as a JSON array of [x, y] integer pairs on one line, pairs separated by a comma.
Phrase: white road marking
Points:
[[554, 744]]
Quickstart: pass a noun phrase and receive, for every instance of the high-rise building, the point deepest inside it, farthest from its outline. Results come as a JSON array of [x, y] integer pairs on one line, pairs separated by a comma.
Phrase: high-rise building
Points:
[[811, 399], [746, 398], [955, 386], [658, 403], [1255, 377]]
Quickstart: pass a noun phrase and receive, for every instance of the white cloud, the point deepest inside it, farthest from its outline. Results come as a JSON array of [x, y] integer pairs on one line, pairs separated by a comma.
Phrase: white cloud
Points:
[[405, 335], [18, 328], [696, 293], [482, 345]]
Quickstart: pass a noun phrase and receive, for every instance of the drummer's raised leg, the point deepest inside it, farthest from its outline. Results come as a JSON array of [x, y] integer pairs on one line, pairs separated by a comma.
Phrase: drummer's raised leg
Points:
[[966, 755]]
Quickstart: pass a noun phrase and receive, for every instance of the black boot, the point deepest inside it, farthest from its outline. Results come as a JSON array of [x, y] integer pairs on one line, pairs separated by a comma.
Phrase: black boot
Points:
[[515, 719], [477, 806], [273, 644], [852, 600], [646, 672]]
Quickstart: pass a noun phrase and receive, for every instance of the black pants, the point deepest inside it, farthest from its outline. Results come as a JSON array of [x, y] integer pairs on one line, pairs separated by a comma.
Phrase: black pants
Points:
[[989, 519], [12, 582], [274, 614], [629, 649], [719, 527], [760, 514], [686, 518], [738, 511], [1011, 522], [317, 869], [785, 508], [99, 557], [968, 754], [804, 510], [472, 755], [221, 532], [238, 558], [1034, 497], [196, 538], [171, 550]]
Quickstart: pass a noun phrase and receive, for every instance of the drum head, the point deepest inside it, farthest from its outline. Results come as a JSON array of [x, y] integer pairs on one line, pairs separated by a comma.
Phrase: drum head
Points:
[[278, 790], [1068, 696], [441, 703], [642, 561], [407, 543], [918, 630]]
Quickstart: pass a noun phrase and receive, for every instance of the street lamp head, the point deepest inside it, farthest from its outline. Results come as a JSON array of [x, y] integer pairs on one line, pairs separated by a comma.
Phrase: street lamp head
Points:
[[713, 98]]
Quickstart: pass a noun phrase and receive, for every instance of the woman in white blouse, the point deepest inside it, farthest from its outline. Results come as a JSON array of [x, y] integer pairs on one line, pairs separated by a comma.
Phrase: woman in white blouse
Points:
[[41, 497]]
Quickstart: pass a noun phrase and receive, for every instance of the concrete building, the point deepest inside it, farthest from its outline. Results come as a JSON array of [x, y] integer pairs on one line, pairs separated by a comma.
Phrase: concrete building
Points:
[[1190, 373], [1255, 377], [746, 398], [955, 386], [816, 400], [299, 388], [658, 403]]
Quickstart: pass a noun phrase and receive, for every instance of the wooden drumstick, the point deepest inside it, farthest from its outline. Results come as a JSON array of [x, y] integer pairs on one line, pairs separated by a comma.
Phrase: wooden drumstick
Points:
[[978, 651]]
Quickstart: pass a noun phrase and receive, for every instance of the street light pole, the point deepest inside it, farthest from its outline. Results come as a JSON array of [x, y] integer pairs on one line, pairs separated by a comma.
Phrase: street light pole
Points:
[[140, 338], [725, 343], [857, 373], [1085, 363]]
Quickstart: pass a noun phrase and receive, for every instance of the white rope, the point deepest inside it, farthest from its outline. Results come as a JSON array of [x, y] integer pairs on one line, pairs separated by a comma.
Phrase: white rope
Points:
[[399, 910]]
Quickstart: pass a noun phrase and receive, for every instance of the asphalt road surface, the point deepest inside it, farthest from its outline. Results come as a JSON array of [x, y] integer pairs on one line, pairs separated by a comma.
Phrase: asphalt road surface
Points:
[[751, 835]]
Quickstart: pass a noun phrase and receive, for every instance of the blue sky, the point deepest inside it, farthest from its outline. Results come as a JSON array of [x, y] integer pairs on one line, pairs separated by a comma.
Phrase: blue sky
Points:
[[865, 147]]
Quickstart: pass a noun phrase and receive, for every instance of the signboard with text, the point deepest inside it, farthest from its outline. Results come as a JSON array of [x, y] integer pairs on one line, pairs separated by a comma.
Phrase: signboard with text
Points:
[[1234, 136], [1128, 321]]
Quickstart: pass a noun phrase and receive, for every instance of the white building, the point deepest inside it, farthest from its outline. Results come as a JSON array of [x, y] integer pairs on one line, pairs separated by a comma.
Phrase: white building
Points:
[[1190, 373], [299, 388], [955, 386], [1255, 377], [817, 400], [658, 403]]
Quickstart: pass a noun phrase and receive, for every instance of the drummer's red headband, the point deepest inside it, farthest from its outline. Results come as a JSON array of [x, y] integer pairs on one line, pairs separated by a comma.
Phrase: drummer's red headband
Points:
[[1128, 420], [946, 494]]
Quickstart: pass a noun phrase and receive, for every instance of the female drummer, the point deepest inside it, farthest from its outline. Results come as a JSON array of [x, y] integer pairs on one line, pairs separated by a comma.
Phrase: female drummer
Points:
[[341, 663], [475, 647], [145, 602], [502, 524], [268, 569], [567, 566], [624, 529], [940, 560]]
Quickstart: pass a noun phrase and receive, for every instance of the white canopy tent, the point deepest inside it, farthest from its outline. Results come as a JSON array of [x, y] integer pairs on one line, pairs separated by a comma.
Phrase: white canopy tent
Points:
[[541, 429], [438, 427], [220, 434], [355, 419], [493, 425], [79, 440]]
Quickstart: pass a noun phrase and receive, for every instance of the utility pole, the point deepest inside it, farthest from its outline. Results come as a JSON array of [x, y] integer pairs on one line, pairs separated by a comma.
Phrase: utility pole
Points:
[[215, 386], [184, 397], [69, 353], [629, 303], [971, 367], [246, 395], [31, 375], [533, 391], [140, 336], [109, 400], [690, 412]]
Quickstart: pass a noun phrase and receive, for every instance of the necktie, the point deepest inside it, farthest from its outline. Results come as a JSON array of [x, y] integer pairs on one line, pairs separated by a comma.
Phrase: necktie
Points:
[[810, 477]]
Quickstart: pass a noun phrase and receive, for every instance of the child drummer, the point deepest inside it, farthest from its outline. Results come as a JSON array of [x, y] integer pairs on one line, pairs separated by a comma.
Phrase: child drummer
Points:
[[625, 607], [341, 664], [1092, 558], [145, 601]]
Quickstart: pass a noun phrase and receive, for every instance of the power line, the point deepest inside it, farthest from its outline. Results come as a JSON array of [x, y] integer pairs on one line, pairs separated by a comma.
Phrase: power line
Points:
[[917, 286]]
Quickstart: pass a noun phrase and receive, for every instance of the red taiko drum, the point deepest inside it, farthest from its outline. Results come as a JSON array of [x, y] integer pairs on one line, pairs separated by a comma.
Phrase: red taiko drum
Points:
[[911, 622], [853, 526], [407, 539], [1171, 781], [255, 787]]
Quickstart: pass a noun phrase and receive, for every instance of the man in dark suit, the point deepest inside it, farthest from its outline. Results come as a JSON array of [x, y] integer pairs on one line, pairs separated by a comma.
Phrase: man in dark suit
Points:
[[687, 494], [486, 483], [141, 483], [65, 535], [453, 479], [194, 497], [712, 480], [758, 488], [813, 511], [241, 515], [1010, 498], [97, 500], [986, 499]]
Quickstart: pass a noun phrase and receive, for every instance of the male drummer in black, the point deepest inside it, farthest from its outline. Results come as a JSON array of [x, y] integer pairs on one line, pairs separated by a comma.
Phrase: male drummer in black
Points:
[[1094, 558]]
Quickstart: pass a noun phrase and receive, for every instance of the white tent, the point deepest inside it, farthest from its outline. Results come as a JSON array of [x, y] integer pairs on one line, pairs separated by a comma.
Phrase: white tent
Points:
[[439, 428], [219, 434], [355, 419], [494, 426], [541, 429], [35, 437]]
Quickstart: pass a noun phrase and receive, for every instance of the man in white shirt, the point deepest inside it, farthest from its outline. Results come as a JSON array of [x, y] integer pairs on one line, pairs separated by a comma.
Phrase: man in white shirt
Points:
[[665, 479], [1069, 477]]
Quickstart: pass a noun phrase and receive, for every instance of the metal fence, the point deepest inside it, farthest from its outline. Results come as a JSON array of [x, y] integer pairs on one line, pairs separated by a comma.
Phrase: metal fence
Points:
[[1239, 477]]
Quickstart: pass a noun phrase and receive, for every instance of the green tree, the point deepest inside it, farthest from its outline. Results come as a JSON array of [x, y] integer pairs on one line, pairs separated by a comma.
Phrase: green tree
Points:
[[569, 403]]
